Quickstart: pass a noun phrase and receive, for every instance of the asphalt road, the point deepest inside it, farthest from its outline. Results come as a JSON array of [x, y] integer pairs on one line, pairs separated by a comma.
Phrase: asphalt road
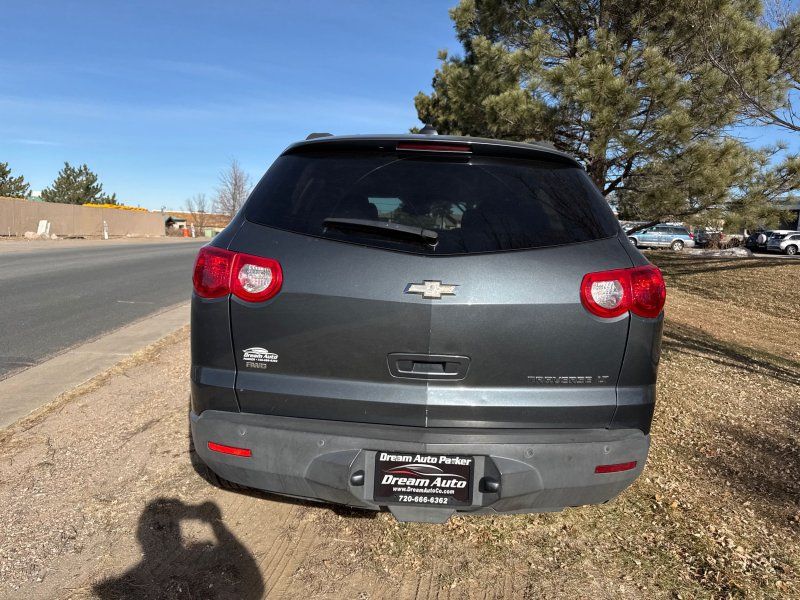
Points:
[[54, 297]]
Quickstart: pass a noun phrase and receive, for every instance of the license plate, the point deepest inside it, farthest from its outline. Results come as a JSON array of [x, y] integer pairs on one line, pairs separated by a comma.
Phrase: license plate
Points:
[[426, 479]]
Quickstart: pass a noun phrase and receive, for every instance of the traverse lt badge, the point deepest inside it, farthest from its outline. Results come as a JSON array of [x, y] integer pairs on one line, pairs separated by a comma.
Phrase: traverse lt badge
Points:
[[431, 289]]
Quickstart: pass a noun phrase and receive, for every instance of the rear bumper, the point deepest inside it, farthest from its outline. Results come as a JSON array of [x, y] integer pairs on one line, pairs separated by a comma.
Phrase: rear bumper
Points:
[[538, 470]]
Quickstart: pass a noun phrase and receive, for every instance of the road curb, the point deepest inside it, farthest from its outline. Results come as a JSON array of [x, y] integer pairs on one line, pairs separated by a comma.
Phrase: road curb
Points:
[[23, 393]]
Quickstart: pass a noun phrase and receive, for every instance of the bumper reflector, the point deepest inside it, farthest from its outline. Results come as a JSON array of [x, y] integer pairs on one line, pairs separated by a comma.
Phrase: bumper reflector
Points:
[[627, 466], [229, 449]]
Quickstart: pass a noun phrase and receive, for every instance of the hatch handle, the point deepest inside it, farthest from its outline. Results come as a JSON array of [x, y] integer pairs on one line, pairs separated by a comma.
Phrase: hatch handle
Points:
[[428, 366]]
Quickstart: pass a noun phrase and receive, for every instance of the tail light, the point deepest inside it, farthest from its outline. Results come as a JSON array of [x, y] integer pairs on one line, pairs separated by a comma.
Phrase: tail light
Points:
[[212, 272], [691, 236], [640, 290], [219, 272]]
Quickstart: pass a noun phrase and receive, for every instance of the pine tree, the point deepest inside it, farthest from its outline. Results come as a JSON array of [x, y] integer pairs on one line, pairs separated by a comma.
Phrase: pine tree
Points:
[[751, 51], [625, 86], [77, 185], [12, 187]]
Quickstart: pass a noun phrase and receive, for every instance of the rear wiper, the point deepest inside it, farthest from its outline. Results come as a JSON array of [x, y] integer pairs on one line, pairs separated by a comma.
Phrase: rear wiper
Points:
[[390, 229]]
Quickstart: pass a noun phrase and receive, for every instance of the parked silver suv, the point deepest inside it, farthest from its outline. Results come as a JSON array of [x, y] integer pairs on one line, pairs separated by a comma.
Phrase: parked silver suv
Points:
[[663, 236], [786, 242]]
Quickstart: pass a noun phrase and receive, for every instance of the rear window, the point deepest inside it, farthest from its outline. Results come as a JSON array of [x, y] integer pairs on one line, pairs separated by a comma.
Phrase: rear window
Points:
[[474, 205]]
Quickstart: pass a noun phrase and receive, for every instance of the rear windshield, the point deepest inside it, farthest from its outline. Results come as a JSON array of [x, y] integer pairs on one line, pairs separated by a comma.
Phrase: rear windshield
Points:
[[474, 205]]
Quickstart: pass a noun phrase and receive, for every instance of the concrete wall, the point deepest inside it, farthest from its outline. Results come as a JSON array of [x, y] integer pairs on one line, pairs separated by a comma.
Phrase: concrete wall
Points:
[[18, 216]]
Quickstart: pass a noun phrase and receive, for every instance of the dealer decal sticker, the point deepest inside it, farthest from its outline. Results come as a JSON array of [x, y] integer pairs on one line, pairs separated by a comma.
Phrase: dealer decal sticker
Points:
[[258, 358]]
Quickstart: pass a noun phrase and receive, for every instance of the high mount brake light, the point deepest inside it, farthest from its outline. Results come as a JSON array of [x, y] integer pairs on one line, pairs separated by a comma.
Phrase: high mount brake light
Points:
[[433, 147], [609, 294], [219, 272]]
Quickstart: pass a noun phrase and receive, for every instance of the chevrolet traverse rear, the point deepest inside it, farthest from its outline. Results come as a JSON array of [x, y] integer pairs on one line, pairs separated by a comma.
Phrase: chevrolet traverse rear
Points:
[[427, 324]]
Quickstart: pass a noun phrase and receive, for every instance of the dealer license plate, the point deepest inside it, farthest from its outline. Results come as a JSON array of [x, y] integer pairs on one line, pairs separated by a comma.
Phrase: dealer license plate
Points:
[[425, 479]]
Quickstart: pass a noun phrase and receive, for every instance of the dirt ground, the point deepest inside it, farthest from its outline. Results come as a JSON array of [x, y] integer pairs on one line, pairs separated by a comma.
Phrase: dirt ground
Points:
[[99, 498]]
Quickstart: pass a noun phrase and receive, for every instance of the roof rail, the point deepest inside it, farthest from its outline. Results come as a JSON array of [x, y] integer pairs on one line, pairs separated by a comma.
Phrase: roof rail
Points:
[[315, 135]]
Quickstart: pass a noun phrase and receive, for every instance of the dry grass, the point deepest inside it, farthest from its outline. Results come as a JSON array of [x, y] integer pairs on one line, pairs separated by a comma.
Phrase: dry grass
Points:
[[768, 285]]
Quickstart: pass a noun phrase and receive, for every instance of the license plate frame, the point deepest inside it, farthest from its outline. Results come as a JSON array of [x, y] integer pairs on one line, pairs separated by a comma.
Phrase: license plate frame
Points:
[[423, 479]]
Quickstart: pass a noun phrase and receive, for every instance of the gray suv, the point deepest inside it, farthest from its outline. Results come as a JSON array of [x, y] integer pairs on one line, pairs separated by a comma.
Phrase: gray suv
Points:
[[427, 324]]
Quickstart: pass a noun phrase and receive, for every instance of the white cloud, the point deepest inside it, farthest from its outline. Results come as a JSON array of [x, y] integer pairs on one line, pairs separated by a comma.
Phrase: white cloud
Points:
[[294, 110], [28, 142]]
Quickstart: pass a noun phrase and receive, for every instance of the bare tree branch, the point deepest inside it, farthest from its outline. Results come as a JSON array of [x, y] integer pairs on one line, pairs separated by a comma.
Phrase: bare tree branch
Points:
[[777, 13], [198, 206], [234, 187], [761, 113], [778, 17]]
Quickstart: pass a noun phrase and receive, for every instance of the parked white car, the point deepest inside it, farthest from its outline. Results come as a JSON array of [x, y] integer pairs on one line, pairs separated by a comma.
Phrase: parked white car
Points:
[[787, 242]]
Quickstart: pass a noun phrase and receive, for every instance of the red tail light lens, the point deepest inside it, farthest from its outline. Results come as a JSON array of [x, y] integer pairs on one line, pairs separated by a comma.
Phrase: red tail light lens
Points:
[[254, 278], [649, 291], [219, 272], [609, 294], [606, 294], [212, 272]]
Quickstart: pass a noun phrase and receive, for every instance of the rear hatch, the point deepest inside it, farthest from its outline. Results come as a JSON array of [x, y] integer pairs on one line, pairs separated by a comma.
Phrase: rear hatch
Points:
[[429, 285]]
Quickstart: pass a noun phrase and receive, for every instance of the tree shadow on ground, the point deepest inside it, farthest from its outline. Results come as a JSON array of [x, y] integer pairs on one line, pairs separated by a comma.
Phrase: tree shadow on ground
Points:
[[762, 461], [172, 569], [759, 458], [677, 266], [688, 340]]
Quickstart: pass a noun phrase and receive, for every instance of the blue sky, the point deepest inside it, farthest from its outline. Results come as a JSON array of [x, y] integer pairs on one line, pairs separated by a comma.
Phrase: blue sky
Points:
[[157, 97]]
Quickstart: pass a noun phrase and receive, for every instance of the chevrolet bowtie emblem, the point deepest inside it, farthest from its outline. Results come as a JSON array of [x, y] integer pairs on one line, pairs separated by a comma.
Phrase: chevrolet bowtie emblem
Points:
[[431, 289]]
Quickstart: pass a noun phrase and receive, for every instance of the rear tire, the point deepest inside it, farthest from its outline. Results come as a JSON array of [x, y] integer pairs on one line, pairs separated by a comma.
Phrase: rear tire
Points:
[[677, 245], [224, 484], [633, 241], [791, 250]]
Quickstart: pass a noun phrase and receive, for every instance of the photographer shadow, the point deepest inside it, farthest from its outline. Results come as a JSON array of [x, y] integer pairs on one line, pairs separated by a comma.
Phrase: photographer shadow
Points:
[[171, 568]]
